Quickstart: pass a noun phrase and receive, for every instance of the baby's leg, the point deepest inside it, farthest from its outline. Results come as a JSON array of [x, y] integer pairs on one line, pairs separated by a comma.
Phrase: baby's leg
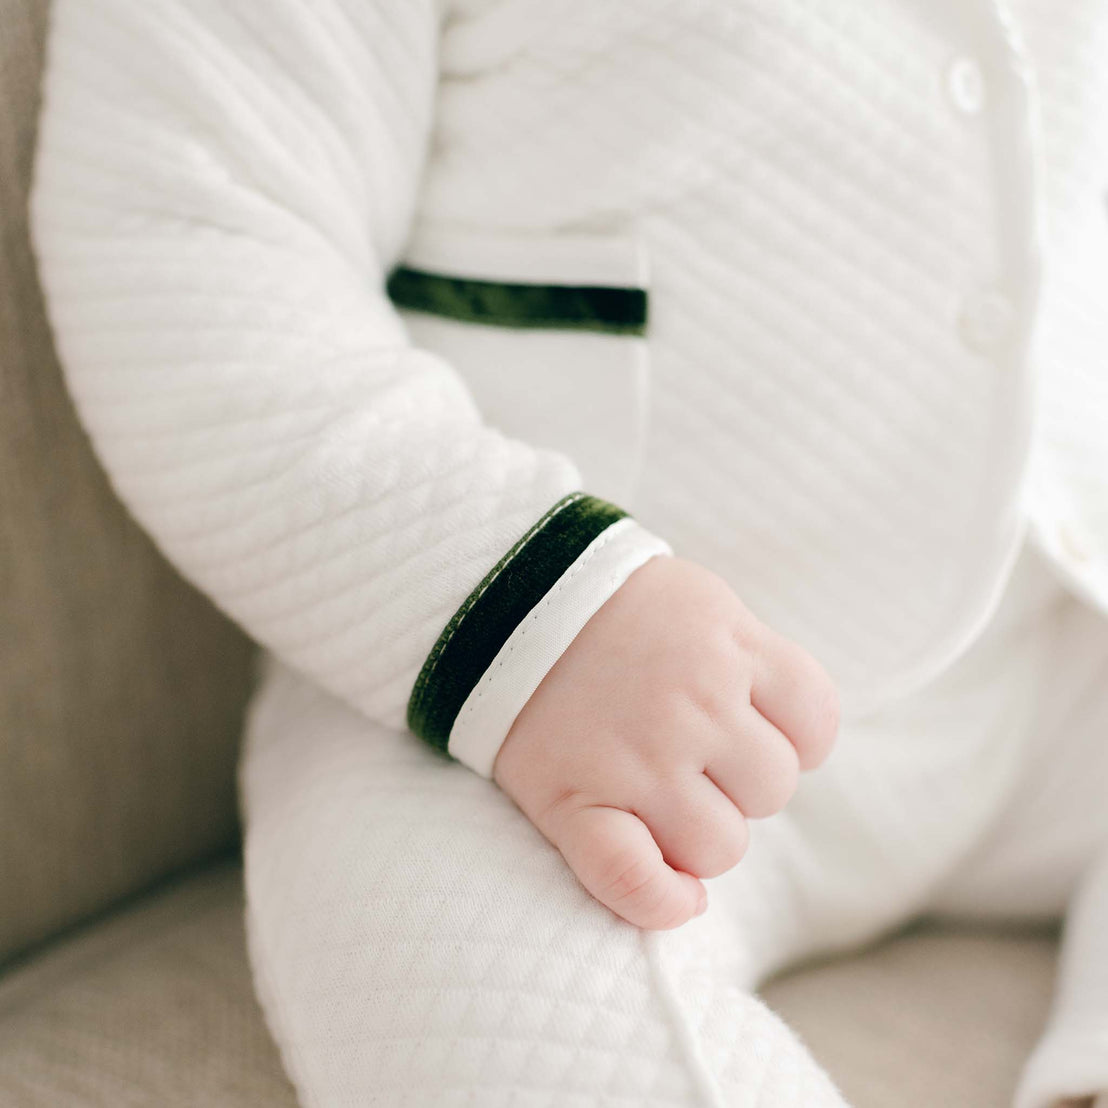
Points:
[[415, 939], [907, 793], [416, 942], [1047, 854]]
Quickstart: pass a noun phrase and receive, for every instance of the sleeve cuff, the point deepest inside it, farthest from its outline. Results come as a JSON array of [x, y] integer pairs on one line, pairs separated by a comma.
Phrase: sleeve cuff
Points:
[[517, 623]]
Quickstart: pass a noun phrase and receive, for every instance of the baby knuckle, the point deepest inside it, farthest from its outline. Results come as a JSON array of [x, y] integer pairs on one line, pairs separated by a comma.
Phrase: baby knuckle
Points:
[[627, 879], [826, 713], [735, 847], [668, 915], [831, 711], [560, 807], [717, 697], [778, 788], [707, 704], [746, 632], [817, 720], [785, 776], [669, 716], [727, 851]]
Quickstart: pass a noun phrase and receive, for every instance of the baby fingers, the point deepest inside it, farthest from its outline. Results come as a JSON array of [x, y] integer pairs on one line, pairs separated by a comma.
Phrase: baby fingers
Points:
[[793, 691], [615, 857], [698, 829], [759, 770]]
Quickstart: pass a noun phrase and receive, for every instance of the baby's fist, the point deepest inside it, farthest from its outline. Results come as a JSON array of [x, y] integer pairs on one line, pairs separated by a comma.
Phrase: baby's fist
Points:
[[673, 717]]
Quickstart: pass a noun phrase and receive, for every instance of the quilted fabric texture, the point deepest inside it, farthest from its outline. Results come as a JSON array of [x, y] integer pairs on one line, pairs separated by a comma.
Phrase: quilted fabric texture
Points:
[[818, 216], [154, 1005], [220, 192], [844, 255], [415, 939], [838, 205], [397, 959], [121, 688]]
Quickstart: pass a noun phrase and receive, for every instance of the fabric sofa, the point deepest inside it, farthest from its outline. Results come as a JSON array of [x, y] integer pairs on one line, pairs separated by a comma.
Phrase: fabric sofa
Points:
[[123, 974]]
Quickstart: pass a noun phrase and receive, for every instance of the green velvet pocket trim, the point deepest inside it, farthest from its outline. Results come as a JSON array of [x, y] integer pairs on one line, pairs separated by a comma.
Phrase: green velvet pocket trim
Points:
[[481, 626], [508, 304]]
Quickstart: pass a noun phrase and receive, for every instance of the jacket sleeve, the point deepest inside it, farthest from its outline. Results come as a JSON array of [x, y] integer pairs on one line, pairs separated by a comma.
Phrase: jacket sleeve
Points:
[[220, 191]]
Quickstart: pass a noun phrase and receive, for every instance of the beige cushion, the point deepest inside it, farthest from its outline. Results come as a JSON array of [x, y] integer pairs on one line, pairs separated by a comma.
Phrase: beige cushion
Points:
[[933, 1017], [121, 689], [154, 1006]]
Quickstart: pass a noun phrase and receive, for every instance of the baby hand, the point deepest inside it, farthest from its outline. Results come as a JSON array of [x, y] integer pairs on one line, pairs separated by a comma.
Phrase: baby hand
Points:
[[673, 717]]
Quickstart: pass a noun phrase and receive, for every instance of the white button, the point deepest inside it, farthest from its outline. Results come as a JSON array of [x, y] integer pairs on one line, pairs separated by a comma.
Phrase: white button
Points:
[[1073, 546], [965, 84], [986, 322]]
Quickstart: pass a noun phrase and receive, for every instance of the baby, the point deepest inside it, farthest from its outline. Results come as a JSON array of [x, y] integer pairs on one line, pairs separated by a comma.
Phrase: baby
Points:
[[556, 381]]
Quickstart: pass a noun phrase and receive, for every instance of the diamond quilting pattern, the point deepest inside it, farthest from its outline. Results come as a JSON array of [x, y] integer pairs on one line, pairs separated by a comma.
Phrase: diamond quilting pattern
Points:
[[407, 965], [219, 195], [815, 214], [221, 190]]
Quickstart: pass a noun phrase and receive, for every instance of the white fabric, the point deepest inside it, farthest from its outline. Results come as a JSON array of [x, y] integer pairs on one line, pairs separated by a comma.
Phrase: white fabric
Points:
[[586, 392], [809, 278], [220, 191], [529, 653], [612, 260], [844, 252], [417, 943], [1068, 44], [421, 944], [843, 269], [839, 414]]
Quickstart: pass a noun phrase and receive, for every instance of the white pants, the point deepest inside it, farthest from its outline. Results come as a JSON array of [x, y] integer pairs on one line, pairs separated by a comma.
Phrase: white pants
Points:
[[416, 942]]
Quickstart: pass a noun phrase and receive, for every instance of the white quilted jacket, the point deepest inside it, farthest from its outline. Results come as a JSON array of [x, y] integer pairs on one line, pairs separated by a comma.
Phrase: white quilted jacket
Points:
[[873, 240]]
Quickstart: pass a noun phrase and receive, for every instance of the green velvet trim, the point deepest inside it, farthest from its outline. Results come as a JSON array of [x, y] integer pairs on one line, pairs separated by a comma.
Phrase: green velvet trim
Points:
[[479, 628], [506, 304]]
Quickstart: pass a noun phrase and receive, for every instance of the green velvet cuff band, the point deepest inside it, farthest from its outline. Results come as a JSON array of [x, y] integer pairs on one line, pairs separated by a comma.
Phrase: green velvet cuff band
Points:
[[481, 626], [508, 304]]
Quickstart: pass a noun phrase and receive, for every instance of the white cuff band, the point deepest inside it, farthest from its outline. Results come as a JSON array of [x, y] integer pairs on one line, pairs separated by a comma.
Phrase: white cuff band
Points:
[[542, 637]]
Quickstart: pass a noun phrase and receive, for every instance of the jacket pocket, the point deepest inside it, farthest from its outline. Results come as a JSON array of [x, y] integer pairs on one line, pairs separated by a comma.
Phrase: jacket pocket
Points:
[[548, 331]]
